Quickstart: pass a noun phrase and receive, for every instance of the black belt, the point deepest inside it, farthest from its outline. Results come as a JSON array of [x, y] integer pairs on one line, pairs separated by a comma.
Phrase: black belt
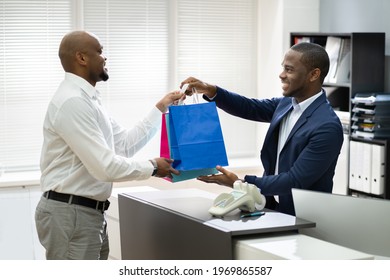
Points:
[[79, 200]]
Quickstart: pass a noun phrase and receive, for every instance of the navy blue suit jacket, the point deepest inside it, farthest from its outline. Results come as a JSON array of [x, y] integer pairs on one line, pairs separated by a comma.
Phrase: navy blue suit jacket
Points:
[[309, 156]]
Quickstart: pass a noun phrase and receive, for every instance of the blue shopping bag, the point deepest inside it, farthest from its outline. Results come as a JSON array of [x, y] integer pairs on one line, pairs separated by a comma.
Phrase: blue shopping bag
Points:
[[165, 152], [196, 140]]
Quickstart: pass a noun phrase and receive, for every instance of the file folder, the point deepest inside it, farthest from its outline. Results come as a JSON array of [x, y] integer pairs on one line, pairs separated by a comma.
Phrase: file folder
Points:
[[367, 167], [353, 172], [360, 166], [378, 170]]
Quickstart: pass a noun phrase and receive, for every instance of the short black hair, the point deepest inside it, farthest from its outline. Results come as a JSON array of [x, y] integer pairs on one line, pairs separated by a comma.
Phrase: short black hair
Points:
[[313, 56]]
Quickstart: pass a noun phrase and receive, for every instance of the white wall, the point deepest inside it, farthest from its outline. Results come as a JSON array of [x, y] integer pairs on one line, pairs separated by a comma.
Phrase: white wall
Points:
[[277, 18]]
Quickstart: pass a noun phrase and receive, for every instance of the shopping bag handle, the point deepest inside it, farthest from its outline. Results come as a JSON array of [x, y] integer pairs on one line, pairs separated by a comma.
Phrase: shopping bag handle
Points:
[[195, 97]]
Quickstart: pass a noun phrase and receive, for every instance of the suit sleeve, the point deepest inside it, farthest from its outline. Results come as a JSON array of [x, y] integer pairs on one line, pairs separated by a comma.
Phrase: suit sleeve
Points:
[[244, 107]]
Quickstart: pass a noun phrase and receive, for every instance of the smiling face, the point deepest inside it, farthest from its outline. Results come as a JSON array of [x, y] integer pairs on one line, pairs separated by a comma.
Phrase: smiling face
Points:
[[96, 61], [295, 77], [305, 66], [81, 53]]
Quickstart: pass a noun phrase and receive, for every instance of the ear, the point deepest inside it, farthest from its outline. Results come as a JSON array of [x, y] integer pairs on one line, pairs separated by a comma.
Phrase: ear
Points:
[[81, 58], [315, 74]]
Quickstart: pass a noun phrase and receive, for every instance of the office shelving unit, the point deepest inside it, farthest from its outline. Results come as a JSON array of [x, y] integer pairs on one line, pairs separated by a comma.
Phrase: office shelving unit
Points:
[[366, 74], [367, 64]]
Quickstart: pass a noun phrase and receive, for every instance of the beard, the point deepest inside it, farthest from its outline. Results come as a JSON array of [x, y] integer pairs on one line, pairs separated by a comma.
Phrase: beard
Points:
[[104, 76]]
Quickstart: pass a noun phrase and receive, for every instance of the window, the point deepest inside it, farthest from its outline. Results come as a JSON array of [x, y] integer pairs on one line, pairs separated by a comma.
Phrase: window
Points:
[[134, 35], [216, 42], [30, 71], [150, 46]]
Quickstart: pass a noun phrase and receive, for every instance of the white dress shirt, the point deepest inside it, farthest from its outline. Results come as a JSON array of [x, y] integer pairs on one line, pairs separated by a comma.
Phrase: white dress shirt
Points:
[[289, 121], [84, 149]]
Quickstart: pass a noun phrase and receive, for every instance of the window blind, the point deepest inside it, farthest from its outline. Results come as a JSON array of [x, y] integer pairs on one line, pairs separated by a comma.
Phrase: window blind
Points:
[[134, 35], [30, 71], [151, 46], [216, 42], [212, 40]]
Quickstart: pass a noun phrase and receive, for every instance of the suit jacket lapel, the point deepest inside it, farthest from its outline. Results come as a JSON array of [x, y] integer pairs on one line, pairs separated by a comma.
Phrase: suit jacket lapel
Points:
[[307, 114], [275, 123], [270, 147]]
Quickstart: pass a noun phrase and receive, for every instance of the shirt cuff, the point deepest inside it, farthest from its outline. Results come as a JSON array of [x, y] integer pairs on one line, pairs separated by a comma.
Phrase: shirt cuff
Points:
[[250, 179], [218, 91]]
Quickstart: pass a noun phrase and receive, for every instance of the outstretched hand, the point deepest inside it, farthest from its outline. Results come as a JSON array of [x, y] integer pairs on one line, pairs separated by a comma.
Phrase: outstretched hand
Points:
[[197, 86], [170, 98], [227, 178]]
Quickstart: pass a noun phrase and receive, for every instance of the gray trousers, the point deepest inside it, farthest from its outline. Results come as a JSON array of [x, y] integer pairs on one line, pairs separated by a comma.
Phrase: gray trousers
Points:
[[71, 232]]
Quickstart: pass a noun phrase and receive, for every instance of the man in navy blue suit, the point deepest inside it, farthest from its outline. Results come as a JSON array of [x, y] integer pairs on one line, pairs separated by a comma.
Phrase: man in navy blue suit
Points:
[[305, 135]]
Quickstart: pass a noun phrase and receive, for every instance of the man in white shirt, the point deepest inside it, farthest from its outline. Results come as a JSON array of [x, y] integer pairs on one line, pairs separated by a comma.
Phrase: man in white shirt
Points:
[[84, 151]]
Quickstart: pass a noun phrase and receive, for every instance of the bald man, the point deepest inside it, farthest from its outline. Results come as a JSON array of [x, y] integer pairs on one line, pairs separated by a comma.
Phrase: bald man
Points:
[[84, 151]]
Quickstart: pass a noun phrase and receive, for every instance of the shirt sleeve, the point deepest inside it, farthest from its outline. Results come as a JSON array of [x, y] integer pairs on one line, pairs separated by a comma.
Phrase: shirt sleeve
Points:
[[129, 141], [78, 124]]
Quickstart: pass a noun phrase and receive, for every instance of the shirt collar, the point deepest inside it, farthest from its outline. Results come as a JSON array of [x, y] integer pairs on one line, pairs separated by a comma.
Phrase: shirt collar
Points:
[[83, 84], [305, 103]]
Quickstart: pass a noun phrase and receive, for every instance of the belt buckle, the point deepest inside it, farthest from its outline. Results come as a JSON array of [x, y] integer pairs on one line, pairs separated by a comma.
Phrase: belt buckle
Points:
[[103, 205], [97, 205]]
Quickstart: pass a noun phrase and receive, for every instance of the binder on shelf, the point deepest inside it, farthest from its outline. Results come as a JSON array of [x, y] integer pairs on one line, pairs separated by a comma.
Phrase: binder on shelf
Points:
[[343, 68], [332, 47], [378, 170], [360, 166], [353, 161], [356, 168], [367, 166], [339, 51]]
